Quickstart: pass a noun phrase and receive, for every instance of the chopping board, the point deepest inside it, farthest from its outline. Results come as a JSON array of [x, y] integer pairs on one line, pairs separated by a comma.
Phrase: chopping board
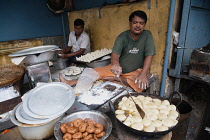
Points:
[[99, 94]]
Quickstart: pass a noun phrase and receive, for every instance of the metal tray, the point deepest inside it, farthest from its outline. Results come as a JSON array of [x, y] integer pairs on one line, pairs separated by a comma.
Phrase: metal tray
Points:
[[34, 50]]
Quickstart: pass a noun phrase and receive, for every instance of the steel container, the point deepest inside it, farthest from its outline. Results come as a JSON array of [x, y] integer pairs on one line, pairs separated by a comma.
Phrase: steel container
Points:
[[97, 116], [34, 131], [99, 63], [39, 58]]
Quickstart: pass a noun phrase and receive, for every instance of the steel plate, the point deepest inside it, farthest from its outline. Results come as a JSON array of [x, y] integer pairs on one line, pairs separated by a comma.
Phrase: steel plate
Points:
[[34, 50], [48, 100]]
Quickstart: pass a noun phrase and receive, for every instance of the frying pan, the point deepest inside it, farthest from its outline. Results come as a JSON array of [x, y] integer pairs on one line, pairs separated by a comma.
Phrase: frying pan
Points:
[[114, 105]]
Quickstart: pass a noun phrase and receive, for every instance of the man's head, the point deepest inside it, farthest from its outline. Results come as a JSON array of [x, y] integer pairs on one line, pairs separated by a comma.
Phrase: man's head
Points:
[[78, 26], [137, 22]]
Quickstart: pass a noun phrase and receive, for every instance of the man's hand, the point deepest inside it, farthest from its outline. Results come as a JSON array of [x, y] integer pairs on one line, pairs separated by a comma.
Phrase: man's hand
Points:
[[116, 69], [142, 81], [62, 55]]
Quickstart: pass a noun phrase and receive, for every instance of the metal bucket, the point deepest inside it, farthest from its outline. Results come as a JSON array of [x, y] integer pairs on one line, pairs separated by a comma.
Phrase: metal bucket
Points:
[[179, 133], [59, 64]]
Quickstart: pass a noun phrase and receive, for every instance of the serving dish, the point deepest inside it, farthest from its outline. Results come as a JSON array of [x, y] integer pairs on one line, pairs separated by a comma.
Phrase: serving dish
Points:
[[97, 116]]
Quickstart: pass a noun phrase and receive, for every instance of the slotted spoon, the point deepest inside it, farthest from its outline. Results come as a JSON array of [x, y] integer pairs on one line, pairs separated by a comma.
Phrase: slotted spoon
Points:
[[140, 111]]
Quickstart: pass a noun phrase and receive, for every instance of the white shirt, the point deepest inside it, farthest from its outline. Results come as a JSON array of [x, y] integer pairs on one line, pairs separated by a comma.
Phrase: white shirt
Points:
[[82, 42]]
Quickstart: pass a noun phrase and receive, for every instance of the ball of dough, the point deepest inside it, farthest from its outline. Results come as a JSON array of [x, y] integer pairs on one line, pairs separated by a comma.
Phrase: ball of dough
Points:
[[121, 117], [148, 98], [137, 119], [158, 101], [161, 116], [152, 116], [162, 128], [174, 122], [146, 122], [152, 105], [162, 107], [123, 107], [119, 112], [171, 116], [164, 111], [157, 123], [174, 112], [128, 123], [137, 126], [129, 119], [124, 98], [149, 128], [167, 122], [140, 97], [165, 102], [145, 102], [154, 110], [172, 107]]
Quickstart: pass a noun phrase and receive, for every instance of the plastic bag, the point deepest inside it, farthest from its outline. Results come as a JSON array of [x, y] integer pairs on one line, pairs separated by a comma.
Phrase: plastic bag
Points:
[[86, 80]]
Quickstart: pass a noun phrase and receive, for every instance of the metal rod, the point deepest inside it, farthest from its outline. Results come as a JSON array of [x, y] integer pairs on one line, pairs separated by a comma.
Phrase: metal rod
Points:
[[168, 44]]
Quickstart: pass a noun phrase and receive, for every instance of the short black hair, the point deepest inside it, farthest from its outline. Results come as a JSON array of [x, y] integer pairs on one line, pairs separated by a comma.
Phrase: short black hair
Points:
[[79, 22], [140, 14]]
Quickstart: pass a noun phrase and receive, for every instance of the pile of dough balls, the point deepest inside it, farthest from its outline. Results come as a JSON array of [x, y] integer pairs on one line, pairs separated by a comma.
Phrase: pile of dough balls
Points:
[[80, 129], [159, 115], [74, 71], [94, 55]]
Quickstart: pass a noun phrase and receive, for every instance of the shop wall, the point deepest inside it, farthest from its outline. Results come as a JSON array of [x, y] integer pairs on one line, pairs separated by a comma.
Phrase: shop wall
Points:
[[104, 24]]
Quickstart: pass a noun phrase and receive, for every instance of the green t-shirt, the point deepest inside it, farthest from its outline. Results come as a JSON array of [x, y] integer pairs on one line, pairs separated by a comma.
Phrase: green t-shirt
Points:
[[132, 52]]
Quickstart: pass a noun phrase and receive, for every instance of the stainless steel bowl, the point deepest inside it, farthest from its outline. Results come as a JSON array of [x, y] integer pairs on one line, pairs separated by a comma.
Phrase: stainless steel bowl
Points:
[[92, 114], [99, 63]]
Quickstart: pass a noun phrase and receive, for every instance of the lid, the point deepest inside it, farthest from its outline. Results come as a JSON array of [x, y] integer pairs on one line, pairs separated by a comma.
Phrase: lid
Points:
[[25, 118], [34, 50], [48, 100]]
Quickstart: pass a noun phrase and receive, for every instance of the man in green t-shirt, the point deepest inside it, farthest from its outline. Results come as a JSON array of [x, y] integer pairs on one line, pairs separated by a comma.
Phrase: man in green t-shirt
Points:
[[131, 55], [133, 50]]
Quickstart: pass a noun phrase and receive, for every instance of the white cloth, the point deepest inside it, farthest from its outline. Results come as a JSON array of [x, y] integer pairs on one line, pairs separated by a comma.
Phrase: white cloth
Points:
[[82, 42]]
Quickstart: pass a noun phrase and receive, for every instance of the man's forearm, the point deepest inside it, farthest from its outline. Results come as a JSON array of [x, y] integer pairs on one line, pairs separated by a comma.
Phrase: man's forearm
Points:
[[67, 49], [114, 58], [147, 63], [80, 52]]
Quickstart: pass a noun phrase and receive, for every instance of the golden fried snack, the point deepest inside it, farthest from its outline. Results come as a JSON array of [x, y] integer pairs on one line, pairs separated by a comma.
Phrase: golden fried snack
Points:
[[90, 129], [77, 122], [72, 130], [82, 127], [91, 122], [100, 134], [67, 136], [63, 127], [95, 137], [88, 137], [77, 135], [71, 124], [84, 134]]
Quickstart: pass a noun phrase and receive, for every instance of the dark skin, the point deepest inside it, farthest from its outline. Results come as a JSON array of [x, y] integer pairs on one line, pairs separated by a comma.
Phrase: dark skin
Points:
[[137, 26], [65, 52]]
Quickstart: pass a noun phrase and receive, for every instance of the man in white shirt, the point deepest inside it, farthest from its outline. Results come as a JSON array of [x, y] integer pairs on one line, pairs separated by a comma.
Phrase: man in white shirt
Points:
[[79, 42]]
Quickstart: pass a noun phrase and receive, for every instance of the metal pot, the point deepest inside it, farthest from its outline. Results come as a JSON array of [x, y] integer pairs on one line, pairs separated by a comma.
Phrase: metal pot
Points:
[[39, 58], [30, 131], [99, 63], [60, 64], [114, 106]]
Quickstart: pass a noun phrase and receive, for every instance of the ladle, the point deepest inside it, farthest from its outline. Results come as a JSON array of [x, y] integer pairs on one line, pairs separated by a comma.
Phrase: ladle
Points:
[[141, 112]]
